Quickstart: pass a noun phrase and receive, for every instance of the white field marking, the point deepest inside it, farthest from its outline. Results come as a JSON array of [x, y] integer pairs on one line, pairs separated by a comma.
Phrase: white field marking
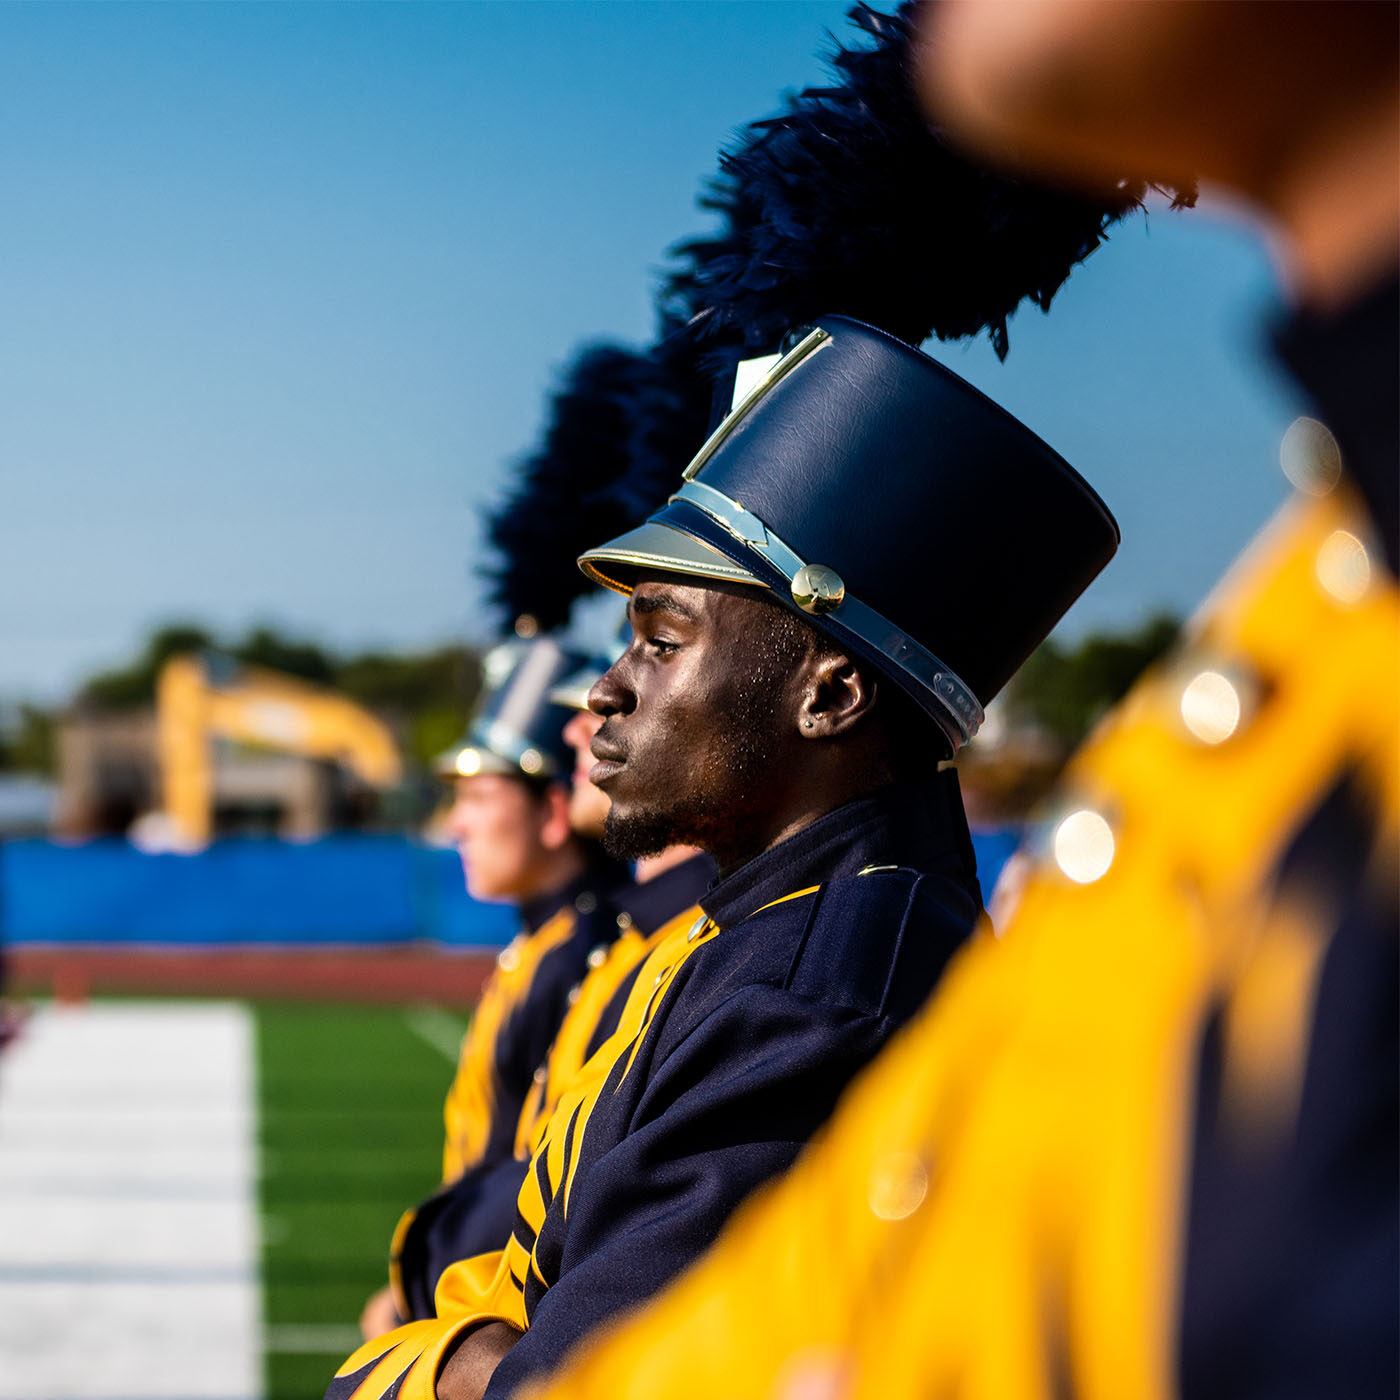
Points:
[[435, 1027], [314, 1339], [128, 1205]]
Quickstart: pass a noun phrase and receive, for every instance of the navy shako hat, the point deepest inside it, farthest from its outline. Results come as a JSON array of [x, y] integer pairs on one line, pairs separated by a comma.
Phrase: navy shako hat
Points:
[[900, 510], [517, 728]]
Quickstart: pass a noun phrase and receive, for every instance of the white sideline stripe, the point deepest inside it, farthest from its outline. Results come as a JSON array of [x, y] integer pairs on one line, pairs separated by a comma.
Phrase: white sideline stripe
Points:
[[128, 1206], [314, 1339], [436, 1028]]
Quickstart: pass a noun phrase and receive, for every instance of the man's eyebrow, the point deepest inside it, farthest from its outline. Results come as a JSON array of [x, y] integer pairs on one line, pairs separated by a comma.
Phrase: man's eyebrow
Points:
[[663, 601]]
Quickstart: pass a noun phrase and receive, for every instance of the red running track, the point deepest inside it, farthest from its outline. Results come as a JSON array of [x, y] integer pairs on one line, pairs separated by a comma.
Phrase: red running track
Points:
[[74, 972]]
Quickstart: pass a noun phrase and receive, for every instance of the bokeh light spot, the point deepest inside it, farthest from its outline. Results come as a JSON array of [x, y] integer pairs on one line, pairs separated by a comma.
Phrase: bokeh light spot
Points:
[[1210, 707], [1083, 846], [1310, 457], [898, 1185], [1343, 567]]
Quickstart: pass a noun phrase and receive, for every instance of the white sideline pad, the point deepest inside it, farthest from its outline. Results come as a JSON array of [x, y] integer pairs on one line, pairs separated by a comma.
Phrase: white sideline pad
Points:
[[128, 1205]]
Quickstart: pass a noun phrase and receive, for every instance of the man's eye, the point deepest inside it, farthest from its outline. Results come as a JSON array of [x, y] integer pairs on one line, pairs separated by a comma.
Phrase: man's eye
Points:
[[661, 646]]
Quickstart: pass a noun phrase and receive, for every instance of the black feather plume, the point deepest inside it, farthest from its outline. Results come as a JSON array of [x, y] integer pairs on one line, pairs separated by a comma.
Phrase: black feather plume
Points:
[[670, 420], [849, 202], [567, 495]]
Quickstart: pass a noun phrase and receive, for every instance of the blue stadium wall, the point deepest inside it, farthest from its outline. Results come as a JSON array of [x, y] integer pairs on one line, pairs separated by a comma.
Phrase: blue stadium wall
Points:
[[340, 890]]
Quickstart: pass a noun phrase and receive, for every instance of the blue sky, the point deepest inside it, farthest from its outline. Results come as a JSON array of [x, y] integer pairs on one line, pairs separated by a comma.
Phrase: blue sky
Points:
[[282, 288]]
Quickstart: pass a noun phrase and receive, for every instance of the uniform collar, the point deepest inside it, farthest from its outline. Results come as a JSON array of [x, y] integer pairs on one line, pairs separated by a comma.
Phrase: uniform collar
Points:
[[660, 899], [1348, 361], [597, 881], [921, 826]]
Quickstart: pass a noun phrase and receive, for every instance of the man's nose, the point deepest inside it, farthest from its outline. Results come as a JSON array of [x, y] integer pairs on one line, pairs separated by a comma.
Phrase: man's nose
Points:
[[611, 695]]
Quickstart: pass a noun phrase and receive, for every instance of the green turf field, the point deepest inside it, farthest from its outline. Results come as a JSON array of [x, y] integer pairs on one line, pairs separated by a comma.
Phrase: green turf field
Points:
[[351, 1132]]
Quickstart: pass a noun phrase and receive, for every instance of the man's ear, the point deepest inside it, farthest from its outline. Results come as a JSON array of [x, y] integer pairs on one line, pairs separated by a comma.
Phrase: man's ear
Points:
[[555, 831], [836, 696]]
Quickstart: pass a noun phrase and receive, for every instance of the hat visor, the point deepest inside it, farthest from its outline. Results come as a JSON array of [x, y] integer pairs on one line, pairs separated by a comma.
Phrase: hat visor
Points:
[[656, 546], [467, 760]]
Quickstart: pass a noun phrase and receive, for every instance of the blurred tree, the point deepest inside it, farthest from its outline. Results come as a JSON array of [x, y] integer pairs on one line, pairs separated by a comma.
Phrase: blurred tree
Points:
[[1065, 690], [429, 695], [449, 675], [134, 685], [264, 647], [27, 744]]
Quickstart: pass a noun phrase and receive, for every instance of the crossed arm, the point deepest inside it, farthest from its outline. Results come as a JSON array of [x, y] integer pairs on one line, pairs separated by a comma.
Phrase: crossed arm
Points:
[[469, 1369]]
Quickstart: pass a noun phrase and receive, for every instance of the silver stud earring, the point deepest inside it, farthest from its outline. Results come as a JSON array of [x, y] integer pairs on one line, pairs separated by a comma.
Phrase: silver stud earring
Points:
[[806, 724]]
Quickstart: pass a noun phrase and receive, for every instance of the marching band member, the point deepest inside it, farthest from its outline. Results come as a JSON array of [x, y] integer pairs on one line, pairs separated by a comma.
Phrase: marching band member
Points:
[[796, 675], [474, 1214]]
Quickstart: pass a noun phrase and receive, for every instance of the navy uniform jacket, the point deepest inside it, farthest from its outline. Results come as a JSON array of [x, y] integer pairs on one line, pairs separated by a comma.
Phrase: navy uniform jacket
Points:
[[732, 1050], [474, 1214]]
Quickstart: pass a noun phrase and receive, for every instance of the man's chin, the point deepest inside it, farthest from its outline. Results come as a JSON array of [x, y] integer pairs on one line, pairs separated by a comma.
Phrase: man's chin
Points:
[[631, 834]]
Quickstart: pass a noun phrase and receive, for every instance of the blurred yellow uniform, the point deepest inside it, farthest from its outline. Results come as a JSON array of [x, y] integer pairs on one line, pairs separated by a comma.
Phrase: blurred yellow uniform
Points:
[[483, 1104], [1122, 1089]]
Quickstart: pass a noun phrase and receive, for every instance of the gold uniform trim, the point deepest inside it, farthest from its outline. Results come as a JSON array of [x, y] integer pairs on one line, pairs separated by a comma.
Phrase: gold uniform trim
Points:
[[568, 1055]]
